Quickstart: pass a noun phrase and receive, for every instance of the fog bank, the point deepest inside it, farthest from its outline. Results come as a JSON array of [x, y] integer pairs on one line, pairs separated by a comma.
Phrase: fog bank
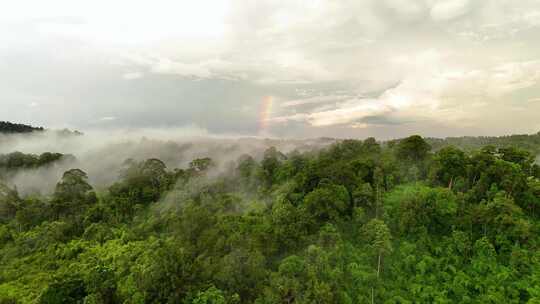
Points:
[[101, 154]]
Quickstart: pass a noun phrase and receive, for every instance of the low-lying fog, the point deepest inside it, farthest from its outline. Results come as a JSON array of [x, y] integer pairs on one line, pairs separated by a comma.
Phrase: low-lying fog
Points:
[[101, 154]]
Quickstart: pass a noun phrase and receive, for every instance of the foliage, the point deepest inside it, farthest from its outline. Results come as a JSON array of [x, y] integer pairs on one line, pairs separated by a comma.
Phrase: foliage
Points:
[[8, 127], [358, 222]]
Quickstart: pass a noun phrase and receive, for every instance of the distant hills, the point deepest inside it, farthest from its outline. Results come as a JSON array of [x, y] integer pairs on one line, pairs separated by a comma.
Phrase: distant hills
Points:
[[7, 127], [529, 142]]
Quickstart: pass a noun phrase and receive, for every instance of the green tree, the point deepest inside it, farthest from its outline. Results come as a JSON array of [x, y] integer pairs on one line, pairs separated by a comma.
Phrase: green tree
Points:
[[413, 148], [328, 202], [8, 203], [452, 164], [73, 194], [270, 163], [211, 295], [64, 290], [416, 208], [378, 236], [201, 164]]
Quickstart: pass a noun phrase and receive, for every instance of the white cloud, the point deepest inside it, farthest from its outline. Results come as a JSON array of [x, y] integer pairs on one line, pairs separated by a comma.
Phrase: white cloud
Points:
[[314, 100], [347, 112], [121, 22], [439, 60], [295, 41], [204, 69], [342, 113], [449, 9], [132, 75], [443, 93], [408, 10]]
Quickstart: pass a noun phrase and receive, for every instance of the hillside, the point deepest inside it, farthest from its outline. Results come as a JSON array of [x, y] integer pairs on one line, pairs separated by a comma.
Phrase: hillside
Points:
[[7, 127]]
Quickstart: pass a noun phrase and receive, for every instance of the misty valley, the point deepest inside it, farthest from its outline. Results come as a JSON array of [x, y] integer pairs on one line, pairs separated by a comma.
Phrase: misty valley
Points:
[[151, 218]]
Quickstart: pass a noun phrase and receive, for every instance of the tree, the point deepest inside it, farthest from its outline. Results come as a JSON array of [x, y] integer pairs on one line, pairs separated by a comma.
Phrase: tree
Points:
[[364, 196], [242, 271], [140, 183], [247, 169], [371, 146], [64, 290], [72, 194], [413, 148], [328, 202], [506, 176], [536, 171], [288, 283], [378, 182], [8, 127], [201, 164], [48, 157], [8, 203], [271, 161], [518, 156], [501, 220], [30, 212], [246, 166], [534, 195], [163, 273], [452, 163], [417, 209], [378, 237], [211, 295], [289, 223]]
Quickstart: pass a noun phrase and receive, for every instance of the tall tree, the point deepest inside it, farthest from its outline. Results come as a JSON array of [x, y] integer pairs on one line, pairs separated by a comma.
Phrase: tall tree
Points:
[[413, 148], [379, 239], [72, 194], [452, 163]]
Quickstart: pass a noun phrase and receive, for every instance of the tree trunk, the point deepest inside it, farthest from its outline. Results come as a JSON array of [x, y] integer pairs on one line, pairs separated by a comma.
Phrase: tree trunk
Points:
[[378, 274], [377, 202], [379, 265]]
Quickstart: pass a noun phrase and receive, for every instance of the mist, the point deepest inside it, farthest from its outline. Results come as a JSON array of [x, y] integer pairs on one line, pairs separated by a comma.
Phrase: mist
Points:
[[101, 154]]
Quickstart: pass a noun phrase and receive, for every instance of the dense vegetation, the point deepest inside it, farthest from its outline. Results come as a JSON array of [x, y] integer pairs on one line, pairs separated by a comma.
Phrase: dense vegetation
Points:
[[530, 142], [8, 127], [354, 223], [17, 160]]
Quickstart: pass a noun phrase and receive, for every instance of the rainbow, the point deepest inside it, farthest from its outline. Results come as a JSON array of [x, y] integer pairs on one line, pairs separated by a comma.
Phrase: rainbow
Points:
[[265, 112]]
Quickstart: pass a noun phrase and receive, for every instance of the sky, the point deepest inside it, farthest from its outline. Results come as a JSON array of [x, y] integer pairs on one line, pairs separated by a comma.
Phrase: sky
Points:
[[348, 68]]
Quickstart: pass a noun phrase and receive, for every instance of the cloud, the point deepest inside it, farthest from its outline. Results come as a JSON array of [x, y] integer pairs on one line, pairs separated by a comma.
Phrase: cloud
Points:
[[314, 100], [167, 66], [408, 10], [451, 94], [329, 64], [343, 113], [132, 75], [450, 9]]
